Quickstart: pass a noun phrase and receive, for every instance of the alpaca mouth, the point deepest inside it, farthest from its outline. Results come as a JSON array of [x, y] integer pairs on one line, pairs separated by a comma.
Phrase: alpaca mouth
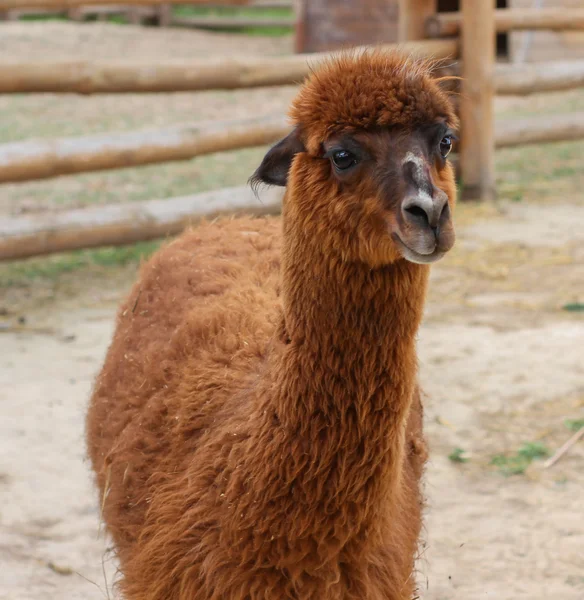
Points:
[[417, 257]]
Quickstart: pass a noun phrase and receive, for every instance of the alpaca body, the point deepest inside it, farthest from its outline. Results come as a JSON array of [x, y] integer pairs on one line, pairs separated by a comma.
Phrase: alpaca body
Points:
[[170, 450], [256, 430]]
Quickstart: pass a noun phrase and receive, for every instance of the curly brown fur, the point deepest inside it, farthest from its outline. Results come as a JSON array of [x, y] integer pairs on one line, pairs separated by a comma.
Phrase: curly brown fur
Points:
[[366, 91], [256, 429]]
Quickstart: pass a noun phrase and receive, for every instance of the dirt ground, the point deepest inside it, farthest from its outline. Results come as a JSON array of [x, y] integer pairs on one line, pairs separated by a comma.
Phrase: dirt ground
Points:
[[500, 360]]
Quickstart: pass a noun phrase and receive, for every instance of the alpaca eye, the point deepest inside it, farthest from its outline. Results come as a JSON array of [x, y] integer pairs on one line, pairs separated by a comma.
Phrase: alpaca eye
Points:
[[445, 146], [343, 159]]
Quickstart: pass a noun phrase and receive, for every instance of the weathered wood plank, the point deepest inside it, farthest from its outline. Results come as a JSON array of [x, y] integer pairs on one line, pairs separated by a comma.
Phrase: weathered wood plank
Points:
[[25, 161], [116, 225], [92, 77], [511, 19]]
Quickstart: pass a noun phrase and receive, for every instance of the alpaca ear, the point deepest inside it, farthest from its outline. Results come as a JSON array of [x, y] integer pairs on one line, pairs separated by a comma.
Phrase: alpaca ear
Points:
[[274, 168]]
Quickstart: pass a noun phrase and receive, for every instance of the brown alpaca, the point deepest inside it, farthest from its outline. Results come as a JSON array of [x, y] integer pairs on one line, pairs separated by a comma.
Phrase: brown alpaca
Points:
[[256, 430]]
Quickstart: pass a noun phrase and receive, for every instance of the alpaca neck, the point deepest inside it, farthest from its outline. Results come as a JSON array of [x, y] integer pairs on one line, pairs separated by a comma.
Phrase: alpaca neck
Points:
[[350, 322], [347, 373]]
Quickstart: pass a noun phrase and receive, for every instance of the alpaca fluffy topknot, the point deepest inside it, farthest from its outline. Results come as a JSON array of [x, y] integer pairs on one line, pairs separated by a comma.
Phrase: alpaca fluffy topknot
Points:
[[368, 90]]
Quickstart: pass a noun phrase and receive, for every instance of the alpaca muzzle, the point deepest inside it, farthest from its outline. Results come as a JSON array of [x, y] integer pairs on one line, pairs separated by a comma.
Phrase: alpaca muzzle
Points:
[[425, 231]]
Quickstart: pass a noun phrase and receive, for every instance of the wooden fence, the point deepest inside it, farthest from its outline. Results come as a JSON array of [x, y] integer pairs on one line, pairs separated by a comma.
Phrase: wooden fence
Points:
[[482, 79], [477, 23]]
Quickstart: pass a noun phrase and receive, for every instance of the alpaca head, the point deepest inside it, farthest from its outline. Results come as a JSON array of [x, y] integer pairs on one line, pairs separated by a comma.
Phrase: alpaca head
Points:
[[365, 165]]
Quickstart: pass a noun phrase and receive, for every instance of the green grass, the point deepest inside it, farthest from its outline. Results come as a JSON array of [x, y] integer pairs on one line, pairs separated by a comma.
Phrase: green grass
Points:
[[115, 19], [201, 11], [23, 273], [540, 171], [244, 12], [119, 19], [517, 463], [235, 11], [33, 17], [458, 456], [542, 161], [574, 307], [555, 102], [574, 424]]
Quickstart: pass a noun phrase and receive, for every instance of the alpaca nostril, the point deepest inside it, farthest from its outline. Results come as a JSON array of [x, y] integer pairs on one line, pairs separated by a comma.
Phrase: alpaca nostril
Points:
[[444, 213], [418, 212]]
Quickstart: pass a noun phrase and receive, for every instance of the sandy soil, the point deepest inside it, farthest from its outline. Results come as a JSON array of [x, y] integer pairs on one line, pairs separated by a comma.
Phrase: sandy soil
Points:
[[500, 361]]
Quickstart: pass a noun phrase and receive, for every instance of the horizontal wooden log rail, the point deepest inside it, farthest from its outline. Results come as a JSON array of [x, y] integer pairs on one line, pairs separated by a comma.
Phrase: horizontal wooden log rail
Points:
[[532, 78], [269, 3], [512, 19], [36, 235], [113, 9], [92, 77], [25, 161], [539, 130], [15, 15], [539, 77]]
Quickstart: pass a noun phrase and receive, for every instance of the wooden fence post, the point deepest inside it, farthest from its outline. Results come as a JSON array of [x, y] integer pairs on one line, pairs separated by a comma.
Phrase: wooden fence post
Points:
[[164, 14], [412, 18], [75, 14], [331, 25], [477, 147]]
